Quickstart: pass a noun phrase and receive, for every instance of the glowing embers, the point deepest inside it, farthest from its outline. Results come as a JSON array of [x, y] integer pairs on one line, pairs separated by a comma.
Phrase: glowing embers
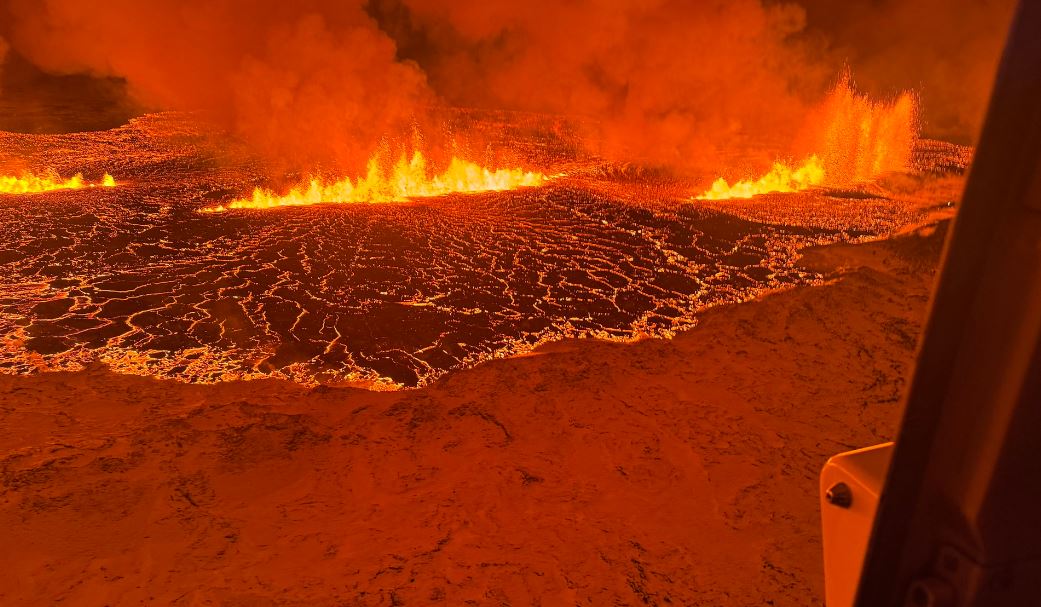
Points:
[[853, 138], [406, 180], [782, 178], [28, 183]]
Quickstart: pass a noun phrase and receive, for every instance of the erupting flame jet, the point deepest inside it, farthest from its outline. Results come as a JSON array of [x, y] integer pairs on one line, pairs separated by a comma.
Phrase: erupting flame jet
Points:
[[408, 179], [28, 183]]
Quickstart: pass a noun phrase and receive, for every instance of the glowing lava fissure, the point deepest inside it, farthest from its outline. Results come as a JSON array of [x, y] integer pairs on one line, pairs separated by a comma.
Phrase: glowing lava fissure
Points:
[[383, 295], [408, 179], [28, 183], [781, 178], [855, 138]]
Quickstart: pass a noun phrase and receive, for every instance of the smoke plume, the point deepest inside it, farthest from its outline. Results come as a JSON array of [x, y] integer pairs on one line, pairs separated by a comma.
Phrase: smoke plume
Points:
[[669, 82], [310, 80]]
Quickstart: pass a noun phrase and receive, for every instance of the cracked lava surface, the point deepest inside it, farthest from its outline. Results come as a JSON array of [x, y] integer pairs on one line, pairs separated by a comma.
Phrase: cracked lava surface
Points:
[[383, 295]]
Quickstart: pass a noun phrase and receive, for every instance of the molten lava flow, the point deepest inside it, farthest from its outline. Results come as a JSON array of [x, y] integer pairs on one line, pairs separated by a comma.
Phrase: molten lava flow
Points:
[[408, 179], [782, 178], [854, 140], [28, 183]]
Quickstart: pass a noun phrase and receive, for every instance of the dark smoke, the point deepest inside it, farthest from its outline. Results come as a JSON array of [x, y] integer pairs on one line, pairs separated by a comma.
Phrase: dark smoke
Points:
[[671, 81]]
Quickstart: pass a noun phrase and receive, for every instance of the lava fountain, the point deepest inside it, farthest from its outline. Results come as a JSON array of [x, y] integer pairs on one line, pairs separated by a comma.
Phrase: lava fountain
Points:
[[408, 179], [781, 178], [854, 140], [28, 183]]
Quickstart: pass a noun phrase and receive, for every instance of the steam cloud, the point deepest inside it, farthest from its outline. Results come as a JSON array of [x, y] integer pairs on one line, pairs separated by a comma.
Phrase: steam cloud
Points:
[[669, 81]]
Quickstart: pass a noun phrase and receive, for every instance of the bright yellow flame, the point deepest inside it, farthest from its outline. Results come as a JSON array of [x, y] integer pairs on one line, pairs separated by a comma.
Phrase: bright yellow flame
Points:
[[408, 179], [854, 140], [782, 178], [27, 183]]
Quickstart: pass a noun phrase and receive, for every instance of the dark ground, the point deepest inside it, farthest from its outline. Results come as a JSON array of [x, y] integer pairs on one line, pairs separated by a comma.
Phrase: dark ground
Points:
[[678, 472]]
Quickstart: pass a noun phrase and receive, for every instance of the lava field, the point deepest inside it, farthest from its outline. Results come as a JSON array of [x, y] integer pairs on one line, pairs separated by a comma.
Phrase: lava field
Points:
[[382, 295]]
